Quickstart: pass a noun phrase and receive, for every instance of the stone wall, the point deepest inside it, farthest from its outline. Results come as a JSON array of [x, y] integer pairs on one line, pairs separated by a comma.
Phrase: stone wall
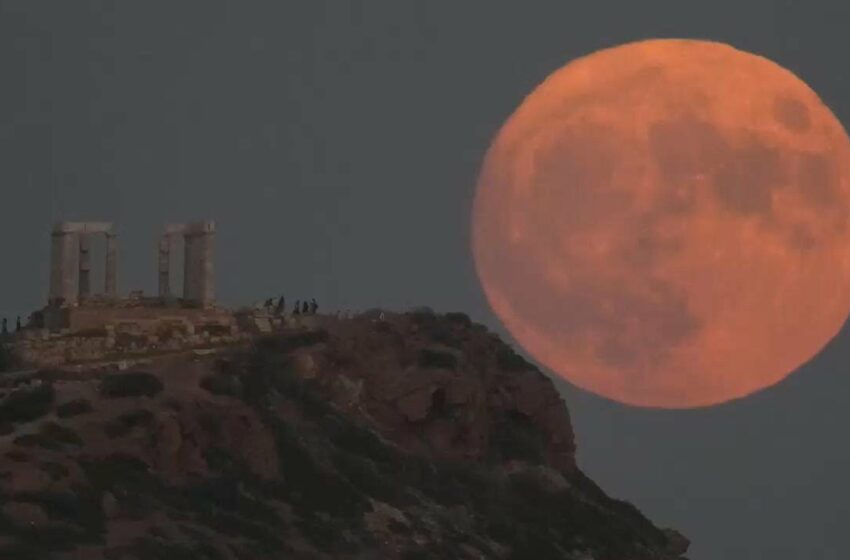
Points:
[[130, 329], [106, 334]]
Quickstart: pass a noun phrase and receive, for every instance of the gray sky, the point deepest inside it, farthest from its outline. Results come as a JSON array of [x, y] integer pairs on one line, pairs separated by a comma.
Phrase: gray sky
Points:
[[337, 145]]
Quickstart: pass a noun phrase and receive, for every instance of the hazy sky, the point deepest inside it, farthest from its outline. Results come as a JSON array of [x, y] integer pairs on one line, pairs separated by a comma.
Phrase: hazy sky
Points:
[[337, 144]]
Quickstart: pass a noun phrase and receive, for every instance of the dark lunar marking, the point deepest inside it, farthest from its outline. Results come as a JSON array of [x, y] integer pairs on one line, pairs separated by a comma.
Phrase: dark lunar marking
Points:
[[572, 186], [684, 150], [647, 246], [801, 238], [646, 80], [745, 183], [792, 113], [637, 323], [817, 180]]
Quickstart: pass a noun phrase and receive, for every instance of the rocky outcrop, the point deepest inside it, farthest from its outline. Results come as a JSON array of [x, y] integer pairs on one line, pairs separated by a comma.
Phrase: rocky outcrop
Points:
[[442, 385], [398, 436]]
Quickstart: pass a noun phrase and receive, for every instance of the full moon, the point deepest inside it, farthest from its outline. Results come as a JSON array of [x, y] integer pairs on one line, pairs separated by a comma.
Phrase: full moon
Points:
[[665, 223]]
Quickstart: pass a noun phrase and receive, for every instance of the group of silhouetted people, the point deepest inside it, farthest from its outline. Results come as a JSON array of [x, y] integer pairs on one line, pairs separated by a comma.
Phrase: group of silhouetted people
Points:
[[305, 307], [5, 331], [301, 308]]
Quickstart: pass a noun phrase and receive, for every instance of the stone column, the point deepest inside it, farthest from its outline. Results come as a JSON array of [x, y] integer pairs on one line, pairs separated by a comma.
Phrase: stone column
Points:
[[164, 266], [188, 267], [85, 266], [110, 282], [63, 267], [207, 268], [199, 271]]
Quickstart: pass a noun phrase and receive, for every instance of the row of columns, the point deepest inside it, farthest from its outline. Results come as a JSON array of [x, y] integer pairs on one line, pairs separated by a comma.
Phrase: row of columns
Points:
[[70, 270], [70, 267], [198, 263]]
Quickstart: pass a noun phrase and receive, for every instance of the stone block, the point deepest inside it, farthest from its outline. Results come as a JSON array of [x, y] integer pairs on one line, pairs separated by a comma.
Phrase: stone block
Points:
[[262, 325]]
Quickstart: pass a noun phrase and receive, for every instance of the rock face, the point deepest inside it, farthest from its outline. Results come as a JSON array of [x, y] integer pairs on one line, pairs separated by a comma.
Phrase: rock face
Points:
[[400, 437], [445, 386]]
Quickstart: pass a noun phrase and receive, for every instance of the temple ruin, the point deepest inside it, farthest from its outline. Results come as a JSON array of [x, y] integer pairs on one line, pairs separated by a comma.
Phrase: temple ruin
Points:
[[198, 277], [70, 267], [83, 330], [70, 270], [71, 303]]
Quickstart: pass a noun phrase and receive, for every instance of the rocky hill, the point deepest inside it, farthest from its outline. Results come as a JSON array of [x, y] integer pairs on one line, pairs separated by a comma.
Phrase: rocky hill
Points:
[[410, 436]]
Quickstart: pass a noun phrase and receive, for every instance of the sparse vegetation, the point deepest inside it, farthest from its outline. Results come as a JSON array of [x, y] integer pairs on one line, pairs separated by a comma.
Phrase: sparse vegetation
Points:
[[28, 404], [509, 360], [220, 384], [335, 469], [447, 330], [127, 422], [437, 359], [73, 408], [461, 319], [56, 471], [51, 436], [130, 384], [423, 314], [514, 437]]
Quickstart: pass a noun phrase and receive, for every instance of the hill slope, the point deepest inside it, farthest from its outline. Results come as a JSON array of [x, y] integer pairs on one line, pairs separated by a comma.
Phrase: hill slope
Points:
[[419, 436]]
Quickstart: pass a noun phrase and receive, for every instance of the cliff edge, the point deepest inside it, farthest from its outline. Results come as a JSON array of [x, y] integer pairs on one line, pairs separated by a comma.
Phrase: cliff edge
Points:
[[398, 436]]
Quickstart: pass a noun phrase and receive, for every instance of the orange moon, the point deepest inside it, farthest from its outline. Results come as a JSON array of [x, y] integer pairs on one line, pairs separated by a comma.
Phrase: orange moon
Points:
[[665, 223]]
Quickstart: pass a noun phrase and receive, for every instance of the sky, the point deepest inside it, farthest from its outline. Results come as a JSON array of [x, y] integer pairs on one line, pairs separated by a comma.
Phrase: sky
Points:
[[337, 145]]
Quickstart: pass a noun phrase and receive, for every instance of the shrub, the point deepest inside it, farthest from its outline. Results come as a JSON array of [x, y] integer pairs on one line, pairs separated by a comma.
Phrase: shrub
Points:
[[51, 436], [79, 520], [73, 408], [117, 470], [130, 384], [437, 359], [459, 318], [422, 315], [125, 423], [56, 471], [441, 331], [509, 360], [60, 434], [514, 437], [443, 334], [26, 405], [219, 384]]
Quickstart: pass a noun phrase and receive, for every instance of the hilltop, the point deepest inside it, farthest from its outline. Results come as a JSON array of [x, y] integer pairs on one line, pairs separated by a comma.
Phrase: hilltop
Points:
[[400, 436]]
